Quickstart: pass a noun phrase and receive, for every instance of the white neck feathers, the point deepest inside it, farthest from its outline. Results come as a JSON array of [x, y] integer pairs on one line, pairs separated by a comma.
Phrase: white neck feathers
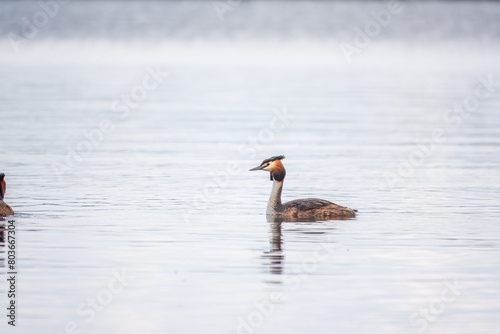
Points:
[[275, 199]]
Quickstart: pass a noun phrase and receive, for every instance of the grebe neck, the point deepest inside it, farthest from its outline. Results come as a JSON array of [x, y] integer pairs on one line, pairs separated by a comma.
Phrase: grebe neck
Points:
[[274, 203]]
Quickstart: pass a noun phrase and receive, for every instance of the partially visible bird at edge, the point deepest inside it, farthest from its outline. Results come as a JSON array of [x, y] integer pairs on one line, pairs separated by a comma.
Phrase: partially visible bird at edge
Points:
[[5, 209]]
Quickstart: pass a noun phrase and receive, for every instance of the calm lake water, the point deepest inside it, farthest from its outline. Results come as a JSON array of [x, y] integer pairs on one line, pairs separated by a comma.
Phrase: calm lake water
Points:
[[135, 210]]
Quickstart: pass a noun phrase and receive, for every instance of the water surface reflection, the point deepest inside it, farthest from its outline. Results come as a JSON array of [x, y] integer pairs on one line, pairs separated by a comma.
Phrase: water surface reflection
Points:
[[275, 256]]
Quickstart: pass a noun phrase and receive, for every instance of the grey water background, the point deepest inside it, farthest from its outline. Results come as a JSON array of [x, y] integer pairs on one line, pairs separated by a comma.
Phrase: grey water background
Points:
[[165, 197]]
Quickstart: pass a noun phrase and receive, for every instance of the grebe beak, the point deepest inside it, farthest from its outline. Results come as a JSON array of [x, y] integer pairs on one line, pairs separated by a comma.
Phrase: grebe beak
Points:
[[256, 168]]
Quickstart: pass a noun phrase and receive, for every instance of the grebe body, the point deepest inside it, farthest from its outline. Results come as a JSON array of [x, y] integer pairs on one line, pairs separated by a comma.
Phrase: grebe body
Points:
[[314, 208], [5, 209]]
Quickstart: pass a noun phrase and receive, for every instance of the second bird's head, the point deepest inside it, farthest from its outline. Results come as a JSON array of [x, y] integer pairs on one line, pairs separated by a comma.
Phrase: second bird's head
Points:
[[2, 186], [274, 166]]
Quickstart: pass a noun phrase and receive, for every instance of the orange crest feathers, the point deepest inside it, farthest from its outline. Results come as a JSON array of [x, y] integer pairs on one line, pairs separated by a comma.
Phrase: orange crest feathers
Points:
[[278, 171]]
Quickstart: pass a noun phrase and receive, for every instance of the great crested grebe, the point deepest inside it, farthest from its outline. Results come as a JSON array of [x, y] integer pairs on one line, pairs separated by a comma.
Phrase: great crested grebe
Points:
[[299, 208], [5, 210]]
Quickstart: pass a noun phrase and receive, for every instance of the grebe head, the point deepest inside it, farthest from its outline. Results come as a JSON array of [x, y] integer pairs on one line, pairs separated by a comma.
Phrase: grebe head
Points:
[[274, 166], [2, 186]]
